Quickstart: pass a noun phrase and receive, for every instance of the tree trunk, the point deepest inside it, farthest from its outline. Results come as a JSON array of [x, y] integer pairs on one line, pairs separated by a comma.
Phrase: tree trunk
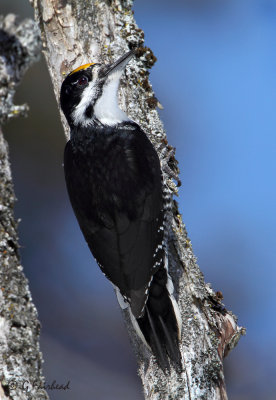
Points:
[[20, 358], [79, 32]]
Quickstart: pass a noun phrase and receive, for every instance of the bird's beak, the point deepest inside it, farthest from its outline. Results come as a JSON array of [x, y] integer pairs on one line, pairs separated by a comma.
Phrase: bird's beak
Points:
[[119, 65]]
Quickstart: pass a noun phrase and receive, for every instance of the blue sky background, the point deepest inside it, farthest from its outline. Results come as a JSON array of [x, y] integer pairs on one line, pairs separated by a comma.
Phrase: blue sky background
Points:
[[216, 78]]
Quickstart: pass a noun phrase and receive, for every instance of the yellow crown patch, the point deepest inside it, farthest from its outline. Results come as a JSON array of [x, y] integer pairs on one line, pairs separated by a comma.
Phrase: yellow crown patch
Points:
[[85, 66]]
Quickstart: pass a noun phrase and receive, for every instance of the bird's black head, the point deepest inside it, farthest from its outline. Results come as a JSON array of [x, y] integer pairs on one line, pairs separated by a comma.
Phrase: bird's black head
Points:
[[89, 94]]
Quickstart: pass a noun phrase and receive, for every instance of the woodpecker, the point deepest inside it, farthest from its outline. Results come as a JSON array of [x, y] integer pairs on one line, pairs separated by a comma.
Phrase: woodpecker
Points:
[[115, 185]]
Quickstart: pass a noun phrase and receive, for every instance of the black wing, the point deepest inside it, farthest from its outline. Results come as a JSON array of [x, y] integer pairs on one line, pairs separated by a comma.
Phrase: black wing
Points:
[[115, 187]]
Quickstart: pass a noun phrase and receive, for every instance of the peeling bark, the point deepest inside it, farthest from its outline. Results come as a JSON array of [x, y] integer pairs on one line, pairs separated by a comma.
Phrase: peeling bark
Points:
[[20, 357], [78, 32]]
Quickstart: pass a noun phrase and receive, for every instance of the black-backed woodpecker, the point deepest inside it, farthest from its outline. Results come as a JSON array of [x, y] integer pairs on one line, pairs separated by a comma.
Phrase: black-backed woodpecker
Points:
[[116, 189]]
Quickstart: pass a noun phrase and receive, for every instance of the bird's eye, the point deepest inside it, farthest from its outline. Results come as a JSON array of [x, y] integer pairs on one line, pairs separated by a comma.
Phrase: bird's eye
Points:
[[83, 80]]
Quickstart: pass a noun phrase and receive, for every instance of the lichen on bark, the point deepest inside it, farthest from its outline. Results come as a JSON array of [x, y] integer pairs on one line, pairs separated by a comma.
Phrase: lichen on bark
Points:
[[20, 357]]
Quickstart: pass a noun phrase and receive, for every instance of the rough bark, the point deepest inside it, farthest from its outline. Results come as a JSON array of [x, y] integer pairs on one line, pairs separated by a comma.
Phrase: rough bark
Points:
[[20, 357], [77, 32]]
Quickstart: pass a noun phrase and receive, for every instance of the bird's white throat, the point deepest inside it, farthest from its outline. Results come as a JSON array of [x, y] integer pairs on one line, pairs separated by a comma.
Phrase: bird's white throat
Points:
[[107, 109]]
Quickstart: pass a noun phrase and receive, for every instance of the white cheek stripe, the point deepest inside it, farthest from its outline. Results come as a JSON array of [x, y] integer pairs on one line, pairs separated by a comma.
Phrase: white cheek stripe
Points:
[[79, 116]]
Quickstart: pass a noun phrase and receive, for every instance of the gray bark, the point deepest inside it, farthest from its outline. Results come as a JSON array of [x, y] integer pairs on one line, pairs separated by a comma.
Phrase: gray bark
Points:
[[79, 32], [20, 357]]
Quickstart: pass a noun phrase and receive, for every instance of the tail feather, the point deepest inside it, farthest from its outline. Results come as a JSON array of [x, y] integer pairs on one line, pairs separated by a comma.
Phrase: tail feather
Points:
[[171, 345], [160, 323], [156, 345]]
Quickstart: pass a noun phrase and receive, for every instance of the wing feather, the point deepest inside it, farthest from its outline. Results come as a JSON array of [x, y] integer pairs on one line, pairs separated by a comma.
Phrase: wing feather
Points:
[[119, 209]]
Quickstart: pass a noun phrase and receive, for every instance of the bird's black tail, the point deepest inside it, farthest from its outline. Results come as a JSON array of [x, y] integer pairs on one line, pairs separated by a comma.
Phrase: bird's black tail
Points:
[[161, 323]]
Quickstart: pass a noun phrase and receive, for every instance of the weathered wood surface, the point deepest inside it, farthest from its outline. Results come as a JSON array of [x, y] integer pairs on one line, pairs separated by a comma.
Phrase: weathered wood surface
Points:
[[20, 357]]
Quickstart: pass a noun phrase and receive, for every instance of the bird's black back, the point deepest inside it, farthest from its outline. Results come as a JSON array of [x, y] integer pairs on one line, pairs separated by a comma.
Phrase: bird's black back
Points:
[[114, 182]]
